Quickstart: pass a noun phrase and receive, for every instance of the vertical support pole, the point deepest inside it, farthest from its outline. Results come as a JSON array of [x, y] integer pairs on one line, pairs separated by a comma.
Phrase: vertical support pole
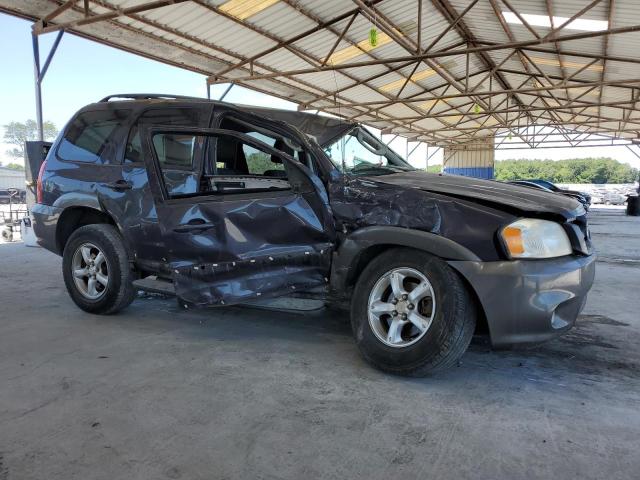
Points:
[[38, 85], [39, 73], [208, 90], [225, 92], [426, 168]]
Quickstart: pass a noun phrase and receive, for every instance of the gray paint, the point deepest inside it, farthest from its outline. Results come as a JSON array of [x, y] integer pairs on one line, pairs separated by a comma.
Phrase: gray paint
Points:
[[530, 301]]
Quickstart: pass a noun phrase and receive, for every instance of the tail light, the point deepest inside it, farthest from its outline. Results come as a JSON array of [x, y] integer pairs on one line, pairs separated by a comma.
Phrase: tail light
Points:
[[39, 182]]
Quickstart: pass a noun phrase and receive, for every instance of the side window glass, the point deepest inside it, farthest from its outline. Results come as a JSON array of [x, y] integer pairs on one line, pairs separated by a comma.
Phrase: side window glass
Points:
[[236, 166], [184, 117], [87, 137], [176, 155], [175, 150]]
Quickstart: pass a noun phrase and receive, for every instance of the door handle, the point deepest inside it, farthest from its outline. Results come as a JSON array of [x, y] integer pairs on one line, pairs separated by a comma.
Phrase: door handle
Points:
[[195, 225], [118, 185]]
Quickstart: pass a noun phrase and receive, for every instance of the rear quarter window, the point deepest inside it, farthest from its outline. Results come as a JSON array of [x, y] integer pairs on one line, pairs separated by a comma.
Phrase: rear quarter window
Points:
[[88, 135]]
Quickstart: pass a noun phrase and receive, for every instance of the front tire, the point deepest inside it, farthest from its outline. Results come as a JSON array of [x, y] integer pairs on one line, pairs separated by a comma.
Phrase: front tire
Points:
[[96, 269], [411, 313]]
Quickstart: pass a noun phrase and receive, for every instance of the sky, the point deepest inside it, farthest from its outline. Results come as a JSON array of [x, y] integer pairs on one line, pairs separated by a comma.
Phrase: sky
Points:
[[83, 72]]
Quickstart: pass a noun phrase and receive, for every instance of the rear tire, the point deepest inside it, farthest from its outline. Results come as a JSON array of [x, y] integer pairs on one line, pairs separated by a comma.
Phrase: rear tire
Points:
[[433, 340], [96, 269]]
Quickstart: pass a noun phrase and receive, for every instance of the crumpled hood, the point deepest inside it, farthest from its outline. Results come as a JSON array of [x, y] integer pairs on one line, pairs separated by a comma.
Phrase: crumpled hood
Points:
[[523, 199]]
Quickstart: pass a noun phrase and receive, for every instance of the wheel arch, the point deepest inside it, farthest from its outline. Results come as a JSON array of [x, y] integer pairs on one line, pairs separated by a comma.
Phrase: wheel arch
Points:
[[361, 246], [74, 217]]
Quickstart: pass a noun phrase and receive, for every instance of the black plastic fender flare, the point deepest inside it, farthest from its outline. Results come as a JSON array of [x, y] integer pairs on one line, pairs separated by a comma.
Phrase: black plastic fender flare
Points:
[[346, 256]]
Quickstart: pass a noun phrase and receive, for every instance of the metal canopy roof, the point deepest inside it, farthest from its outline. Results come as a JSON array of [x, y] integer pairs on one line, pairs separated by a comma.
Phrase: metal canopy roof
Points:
[[533, 72]]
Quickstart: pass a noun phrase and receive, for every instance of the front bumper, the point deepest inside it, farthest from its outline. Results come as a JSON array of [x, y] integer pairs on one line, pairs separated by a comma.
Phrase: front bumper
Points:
[[45, 221], [528, 301]]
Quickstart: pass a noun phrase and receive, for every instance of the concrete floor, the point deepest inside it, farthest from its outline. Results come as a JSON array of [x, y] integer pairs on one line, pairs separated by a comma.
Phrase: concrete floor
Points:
[[157, 392]]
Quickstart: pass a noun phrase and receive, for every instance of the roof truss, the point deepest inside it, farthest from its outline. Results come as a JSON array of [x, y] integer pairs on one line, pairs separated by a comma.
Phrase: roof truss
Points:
[[439, 78]]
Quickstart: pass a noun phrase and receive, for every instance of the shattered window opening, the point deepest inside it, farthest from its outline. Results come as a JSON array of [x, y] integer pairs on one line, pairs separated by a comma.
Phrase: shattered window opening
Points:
[[236, 166], [358, 152]]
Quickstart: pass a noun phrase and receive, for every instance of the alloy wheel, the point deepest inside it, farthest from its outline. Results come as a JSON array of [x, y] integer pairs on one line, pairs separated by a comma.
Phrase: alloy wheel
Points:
[[90, 271], [401, 308]]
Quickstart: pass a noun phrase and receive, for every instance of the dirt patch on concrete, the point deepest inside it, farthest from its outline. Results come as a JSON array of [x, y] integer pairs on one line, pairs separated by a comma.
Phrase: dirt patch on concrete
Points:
[[602, 320], [589, 349]]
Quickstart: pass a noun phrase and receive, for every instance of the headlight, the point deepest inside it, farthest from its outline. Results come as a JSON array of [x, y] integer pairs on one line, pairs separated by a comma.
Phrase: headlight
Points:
[[533, 238]]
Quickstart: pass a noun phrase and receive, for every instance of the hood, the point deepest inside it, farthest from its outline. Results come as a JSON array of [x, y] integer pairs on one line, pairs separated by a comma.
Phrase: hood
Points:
[[513, 197]]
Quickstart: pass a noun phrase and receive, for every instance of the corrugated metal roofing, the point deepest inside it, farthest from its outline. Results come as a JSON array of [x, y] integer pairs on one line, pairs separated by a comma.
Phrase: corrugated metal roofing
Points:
[[319, 54]]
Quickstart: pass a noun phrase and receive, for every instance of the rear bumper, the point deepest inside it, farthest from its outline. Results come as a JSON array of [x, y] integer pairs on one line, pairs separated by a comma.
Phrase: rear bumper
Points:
[[530, 301], [45, 221]]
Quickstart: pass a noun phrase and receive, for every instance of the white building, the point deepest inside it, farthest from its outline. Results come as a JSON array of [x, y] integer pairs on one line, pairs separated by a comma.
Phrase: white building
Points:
[[10, 178]]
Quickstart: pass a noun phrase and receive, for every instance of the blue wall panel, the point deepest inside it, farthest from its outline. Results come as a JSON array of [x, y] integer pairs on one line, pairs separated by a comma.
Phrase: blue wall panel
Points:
[[477, 172]]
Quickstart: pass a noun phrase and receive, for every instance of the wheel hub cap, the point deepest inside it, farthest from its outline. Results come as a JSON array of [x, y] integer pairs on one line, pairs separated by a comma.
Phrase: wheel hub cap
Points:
[[401, 307]]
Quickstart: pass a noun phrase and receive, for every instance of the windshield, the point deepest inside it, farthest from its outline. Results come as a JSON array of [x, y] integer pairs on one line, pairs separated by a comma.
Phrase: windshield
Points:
[[358, 152]]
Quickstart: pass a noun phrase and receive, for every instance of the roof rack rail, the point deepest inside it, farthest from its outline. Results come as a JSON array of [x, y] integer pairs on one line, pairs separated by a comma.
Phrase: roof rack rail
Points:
[[149, 96]]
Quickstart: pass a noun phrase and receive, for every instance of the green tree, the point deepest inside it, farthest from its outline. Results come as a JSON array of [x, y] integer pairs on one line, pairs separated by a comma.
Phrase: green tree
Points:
[[15, 166], [16, 133], [577, 170], [259, 162]]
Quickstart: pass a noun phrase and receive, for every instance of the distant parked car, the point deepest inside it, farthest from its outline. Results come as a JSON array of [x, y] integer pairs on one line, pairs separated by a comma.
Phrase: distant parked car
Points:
[[613, 198], [10, 195], [567, 193], [554, 188], [597, 197]]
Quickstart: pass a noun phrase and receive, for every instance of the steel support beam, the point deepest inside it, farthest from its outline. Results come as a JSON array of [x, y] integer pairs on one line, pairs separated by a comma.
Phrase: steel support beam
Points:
[[224, 94], [443, 53], [38, 76], [42, 27]]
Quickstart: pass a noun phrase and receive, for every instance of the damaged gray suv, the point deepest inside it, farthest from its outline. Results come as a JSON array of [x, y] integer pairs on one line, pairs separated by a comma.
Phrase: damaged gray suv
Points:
[[221, 204]]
